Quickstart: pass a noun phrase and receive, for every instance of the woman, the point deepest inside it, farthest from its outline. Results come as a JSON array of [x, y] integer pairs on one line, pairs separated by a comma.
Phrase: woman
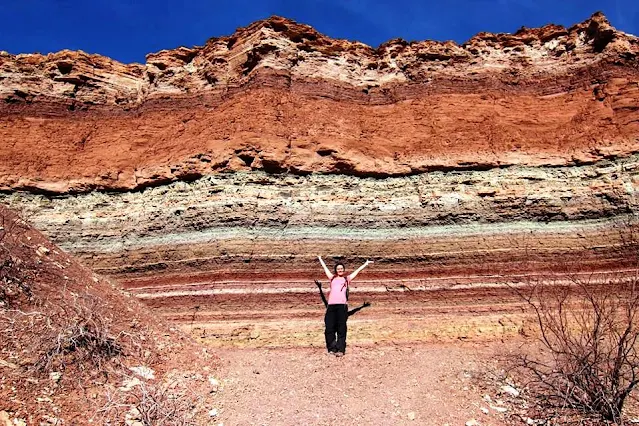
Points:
[[337, 309], [349, 313]]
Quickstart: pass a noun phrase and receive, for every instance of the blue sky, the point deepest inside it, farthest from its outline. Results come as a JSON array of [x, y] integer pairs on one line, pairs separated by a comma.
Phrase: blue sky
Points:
[[127, 30]]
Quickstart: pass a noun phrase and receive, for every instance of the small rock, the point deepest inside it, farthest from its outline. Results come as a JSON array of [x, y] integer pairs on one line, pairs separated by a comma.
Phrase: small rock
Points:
[[530, 421], [499, 409], [484, 410], [213, 412], [472, 422], [132, 417], [44, 399], [7, 364], [411, 416], [55, 376], [42, 250], [510, 390], [144, 372], [50, 420], [487, 398], [129, 384], [5, 420], [215, 384]]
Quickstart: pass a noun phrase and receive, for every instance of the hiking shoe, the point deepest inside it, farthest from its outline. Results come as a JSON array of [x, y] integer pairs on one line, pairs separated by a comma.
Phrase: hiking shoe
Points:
[[339, 354]]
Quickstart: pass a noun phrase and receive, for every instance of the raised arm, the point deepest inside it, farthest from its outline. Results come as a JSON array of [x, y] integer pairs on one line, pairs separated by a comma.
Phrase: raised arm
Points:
[[328, 273], [358, 270]]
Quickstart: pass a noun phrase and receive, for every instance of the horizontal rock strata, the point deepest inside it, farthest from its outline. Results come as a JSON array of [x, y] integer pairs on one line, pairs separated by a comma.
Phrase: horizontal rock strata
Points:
[[208, 179], [232, 257]]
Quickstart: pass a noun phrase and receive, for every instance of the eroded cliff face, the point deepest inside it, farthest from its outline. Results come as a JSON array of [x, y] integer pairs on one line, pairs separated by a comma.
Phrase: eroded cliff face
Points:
[[278, 96], [209, 179]]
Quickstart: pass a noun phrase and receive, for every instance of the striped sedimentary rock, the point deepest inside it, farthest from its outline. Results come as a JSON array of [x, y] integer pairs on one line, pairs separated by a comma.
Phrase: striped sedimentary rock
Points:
[[207, 180], [233, 256]]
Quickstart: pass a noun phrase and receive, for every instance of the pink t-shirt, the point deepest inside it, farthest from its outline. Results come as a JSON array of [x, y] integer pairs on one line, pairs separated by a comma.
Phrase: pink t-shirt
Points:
[[337, 296]]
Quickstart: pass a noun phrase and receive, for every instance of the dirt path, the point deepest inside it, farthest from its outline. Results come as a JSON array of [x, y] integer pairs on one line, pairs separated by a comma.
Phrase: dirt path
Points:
[[433, 384]]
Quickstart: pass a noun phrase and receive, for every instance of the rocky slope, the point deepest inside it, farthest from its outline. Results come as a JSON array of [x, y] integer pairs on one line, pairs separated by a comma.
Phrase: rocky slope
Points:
[[208, 179], [76, 350]]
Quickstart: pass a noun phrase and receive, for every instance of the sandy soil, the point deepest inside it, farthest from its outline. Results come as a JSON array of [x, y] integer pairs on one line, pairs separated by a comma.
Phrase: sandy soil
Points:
[[434, 384]]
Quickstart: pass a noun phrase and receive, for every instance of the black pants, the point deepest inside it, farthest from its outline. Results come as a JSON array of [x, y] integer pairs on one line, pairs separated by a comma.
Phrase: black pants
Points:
[[335, 322]]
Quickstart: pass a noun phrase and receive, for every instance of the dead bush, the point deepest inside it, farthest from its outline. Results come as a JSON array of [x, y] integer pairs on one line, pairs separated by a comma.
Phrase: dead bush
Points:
[[150, 404], [79, 334], [590, 331], [588, 328]]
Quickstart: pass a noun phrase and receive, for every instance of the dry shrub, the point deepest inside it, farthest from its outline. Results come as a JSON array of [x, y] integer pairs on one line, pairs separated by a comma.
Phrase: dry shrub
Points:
[[75, 335], [78, 334], [150, 404], [590, 330]]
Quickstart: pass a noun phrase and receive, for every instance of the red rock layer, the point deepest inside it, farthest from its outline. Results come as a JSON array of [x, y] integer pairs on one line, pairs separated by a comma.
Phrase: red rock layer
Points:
[[278, 96]]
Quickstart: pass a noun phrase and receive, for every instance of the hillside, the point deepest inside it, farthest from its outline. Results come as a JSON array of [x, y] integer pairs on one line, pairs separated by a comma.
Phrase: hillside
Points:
[[75, 349]]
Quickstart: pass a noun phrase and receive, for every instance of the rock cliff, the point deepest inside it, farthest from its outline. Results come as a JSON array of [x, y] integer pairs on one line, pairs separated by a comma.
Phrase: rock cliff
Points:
[[280, 97], [209, 178]]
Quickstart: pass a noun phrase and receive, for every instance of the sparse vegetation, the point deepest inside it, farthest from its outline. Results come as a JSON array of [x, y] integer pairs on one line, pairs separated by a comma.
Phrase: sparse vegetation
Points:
[[78, 333], [589, 331], [71, 329], [150, 404], [63, 327]]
